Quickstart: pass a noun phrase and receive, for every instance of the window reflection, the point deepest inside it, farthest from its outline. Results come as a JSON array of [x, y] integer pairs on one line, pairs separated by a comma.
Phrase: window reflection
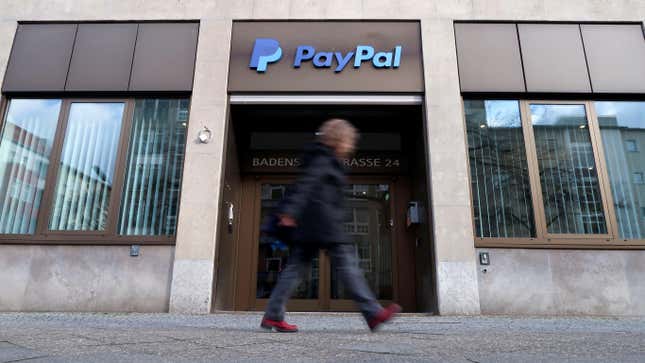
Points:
[[25, 148], [86, 173], [368, 212], [274, 253], [567, 168], [622, 128], [499, 172]]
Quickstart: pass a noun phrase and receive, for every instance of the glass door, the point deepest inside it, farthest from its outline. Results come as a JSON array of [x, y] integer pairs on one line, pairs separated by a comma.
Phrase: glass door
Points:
[[273, 253], [369, 225], [368, 222]]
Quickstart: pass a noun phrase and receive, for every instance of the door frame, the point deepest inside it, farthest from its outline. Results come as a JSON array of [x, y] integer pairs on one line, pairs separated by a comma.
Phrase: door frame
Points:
[[403, 262]]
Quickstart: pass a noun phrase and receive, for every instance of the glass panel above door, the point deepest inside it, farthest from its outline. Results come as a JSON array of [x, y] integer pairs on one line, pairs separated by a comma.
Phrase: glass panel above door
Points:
[[567, 169]]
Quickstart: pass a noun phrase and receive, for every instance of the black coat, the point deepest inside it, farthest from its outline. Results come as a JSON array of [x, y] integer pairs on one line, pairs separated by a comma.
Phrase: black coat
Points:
[[316, 201]]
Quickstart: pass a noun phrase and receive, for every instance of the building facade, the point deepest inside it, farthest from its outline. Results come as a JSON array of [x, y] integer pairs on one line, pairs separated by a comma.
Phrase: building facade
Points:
[[499, 169]]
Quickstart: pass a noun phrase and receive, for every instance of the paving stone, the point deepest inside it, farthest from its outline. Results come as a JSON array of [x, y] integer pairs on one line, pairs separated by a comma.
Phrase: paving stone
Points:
[[12, 352], [228, 337]]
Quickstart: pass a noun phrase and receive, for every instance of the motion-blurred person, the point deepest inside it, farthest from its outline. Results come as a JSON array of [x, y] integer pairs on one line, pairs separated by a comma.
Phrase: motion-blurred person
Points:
[[315, 211]]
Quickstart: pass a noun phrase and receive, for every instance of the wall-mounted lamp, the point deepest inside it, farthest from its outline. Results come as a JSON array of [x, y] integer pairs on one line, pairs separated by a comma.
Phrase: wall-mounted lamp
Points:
[[204, 135]]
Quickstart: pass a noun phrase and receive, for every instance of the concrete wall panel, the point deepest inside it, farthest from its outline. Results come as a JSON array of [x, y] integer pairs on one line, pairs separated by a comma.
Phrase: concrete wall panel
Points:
[[85, 278], [562, 282]]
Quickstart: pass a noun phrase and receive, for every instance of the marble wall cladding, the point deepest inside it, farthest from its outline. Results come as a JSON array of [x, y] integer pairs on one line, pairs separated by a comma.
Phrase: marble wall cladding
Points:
[[457, 288], [85, 278], [192, 282], [562, 282]]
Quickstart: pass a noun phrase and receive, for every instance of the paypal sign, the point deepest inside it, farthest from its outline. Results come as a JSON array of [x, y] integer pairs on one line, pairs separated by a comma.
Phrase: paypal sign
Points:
[[266, 50]]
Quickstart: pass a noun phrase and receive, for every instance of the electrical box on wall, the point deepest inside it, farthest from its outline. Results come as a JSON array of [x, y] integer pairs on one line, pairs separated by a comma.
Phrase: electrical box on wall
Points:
[[413, 214]]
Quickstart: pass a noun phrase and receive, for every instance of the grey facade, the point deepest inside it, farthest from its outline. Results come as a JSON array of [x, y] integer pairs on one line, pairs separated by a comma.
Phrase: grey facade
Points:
[[181, 278]]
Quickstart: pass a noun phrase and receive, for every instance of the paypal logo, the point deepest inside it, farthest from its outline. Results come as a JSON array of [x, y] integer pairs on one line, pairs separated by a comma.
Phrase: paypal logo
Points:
[[265, 51], [339, 60]]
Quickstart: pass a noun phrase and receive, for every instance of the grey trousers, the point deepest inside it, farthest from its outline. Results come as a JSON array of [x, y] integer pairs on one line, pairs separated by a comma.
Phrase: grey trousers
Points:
[[343, 258]]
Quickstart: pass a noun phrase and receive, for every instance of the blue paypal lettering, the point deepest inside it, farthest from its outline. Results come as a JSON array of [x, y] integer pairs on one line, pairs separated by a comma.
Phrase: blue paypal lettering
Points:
[[362, 54], [267, 50]]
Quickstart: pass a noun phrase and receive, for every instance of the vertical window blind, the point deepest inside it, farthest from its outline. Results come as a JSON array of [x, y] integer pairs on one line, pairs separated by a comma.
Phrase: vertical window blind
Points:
[[622, 128], [154, 167], [86, 173]]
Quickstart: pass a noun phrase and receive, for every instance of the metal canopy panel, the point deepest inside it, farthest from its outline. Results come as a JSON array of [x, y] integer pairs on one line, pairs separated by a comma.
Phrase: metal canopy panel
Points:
[[489, 58], [164, 57], [40, 58], [326, 99], [102, 57], [554, 58], [331, 37], [616, 56]]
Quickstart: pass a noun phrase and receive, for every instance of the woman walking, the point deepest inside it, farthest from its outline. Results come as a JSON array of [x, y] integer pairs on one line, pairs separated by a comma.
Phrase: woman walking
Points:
[[315, 209]]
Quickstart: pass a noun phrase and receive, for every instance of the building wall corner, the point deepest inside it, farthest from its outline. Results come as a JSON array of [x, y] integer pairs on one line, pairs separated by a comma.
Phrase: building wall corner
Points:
[[191, 287], [457, 288]]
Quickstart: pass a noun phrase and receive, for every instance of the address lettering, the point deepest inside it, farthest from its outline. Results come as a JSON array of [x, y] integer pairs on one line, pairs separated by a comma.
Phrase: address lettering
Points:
[[354, 163]]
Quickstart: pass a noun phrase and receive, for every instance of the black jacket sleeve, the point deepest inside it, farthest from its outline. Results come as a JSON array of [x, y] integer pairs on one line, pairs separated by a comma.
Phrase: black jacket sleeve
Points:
[[305, 188]]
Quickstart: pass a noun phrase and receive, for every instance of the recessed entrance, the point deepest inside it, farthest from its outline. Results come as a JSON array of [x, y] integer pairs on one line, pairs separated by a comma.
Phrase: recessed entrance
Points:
[[386, 174]]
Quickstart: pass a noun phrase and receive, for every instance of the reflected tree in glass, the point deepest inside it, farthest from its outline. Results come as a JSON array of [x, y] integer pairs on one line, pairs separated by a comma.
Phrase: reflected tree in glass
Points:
[[25, 148], [499, 171], [568, 171]]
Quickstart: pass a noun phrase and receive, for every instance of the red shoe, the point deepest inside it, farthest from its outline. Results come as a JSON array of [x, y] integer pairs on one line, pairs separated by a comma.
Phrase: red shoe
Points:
[[383, 316], [279, 326]]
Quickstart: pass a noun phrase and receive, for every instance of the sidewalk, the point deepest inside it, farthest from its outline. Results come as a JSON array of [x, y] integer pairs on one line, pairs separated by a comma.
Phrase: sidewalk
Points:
[[232, 337]]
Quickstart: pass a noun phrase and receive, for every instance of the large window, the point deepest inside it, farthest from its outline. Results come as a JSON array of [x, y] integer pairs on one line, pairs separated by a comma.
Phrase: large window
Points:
[[547, 173], [87, 171]]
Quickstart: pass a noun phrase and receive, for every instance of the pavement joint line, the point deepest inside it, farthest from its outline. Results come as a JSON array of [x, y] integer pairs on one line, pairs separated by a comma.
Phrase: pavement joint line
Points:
[[26, 359], [377, 352], [117, 344], [248, 344]]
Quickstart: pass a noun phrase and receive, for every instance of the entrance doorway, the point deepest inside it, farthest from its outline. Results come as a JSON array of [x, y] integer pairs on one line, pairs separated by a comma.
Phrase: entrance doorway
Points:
[[387, 173], [380, 247]]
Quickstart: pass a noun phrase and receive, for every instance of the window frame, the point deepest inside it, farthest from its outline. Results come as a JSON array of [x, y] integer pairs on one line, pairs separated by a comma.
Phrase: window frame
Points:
[[543, 239], [110, 235]]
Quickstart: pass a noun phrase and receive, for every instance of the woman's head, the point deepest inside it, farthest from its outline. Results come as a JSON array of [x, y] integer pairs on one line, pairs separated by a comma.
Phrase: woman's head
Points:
[[339, 135]]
